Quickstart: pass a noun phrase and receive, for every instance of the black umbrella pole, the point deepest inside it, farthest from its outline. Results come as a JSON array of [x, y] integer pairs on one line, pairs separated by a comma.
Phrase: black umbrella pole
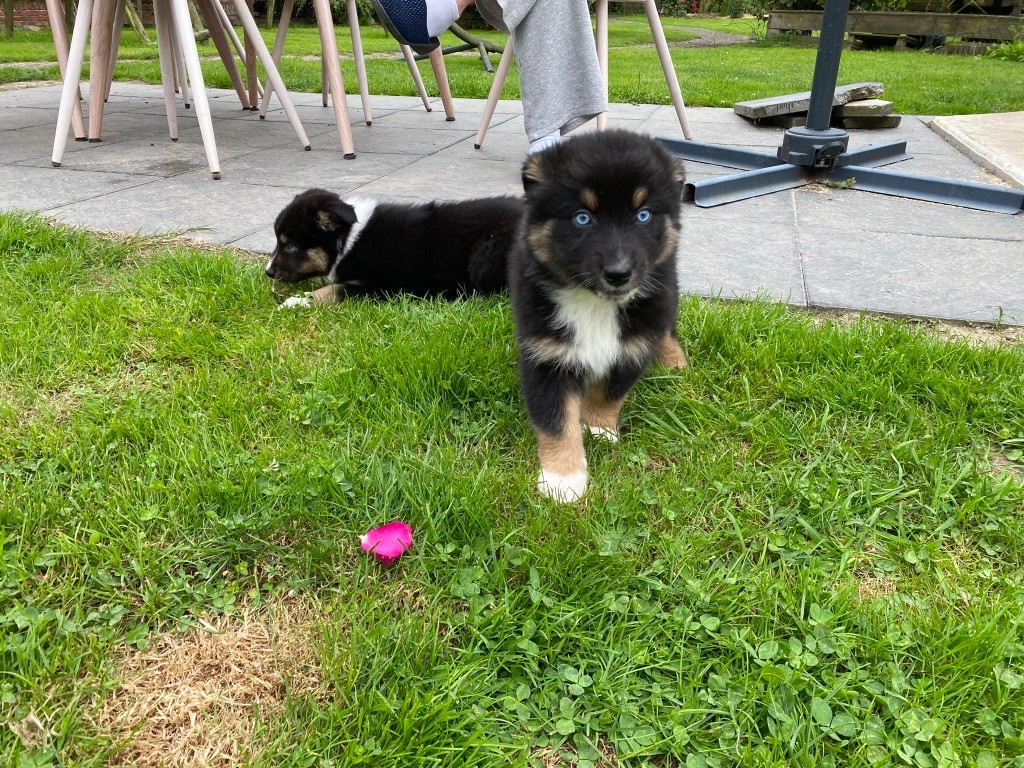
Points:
[[826, 65]]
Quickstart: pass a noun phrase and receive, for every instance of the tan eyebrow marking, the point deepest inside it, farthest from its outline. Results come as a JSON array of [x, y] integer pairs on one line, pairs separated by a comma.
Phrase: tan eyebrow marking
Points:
[[589, 198], [640, 196]]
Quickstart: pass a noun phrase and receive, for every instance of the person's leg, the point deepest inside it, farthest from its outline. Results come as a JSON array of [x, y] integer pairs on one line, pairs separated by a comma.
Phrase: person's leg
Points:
[[418, 23], [560, 80], [559, 76]]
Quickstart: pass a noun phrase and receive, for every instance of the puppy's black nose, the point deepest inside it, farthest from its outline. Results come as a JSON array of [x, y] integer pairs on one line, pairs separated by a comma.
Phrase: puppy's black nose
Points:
[[270, 270], [616, 275]]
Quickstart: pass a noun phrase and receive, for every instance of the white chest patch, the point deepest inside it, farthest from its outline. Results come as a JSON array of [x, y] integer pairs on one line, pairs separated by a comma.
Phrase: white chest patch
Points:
[[594, 324], [364, 211]]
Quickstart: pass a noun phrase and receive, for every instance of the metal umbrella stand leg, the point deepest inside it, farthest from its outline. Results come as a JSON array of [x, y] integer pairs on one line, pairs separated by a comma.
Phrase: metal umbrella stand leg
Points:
[[817, 152]]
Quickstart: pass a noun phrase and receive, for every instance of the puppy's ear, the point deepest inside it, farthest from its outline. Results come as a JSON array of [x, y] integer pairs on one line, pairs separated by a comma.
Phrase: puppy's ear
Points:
[[332, 216], [534, 170], [678, 172]]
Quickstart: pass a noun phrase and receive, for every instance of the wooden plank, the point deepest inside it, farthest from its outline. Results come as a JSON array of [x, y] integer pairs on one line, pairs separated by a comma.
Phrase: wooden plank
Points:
[[882, 121], [895, 23], [865, 108], [799, 102], [783, 121]]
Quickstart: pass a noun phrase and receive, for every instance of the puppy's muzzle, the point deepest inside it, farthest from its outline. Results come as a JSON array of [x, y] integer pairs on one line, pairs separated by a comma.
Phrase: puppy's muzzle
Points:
[[617, 270], [617, 275], [271, 270]]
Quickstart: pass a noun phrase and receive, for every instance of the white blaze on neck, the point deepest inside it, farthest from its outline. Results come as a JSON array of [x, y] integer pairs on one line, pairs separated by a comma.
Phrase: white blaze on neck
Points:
[[364, 212], [593, 322]]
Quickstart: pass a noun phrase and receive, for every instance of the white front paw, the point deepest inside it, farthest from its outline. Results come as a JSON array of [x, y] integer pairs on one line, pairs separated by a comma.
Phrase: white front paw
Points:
[[605, 433], [563, 488], [295, 301]]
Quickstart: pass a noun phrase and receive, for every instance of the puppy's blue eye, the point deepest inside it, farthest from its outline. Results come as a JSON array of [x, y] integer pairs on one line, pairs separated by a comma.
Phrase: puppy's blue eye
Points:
[[291, 248], [643, 215], [582, 219]]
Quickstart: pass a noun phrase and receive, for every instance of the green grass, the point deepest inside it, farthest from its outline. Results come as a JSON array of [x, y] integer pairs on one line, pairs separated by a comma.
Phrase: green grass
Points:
[[917, 83], [807, 550]]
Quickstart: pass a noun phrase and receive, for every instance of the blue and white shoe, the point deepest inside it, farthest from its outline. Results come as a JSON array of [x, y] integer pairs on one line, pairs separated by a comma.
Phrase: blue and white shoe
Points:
[[406, 20]]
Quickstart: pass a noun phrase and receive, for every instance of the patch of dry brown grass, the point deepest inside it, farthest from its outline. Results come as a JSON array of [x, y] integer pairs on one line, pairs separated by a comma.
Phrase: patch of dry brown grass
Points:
[[1000, 465], [194, 698], [870, 587], [975, 334]]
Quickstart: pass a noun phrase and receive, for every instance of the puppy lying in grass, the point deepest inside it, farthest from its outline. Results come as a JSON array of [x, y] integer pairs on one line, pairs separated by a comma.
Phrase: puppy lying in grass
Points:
[[369, 248]]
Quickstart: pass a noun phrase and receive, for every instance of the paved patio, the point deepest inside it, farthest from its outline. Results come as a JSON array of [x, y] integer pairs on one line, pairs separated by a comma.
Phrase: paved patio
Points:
[[810, 247]]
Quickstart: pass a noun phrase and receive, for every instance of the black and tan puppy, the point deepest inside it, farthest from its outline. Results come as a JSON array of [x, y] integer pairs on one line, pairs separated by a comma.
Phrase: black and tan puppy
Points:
[[370, 248], [594, 291]]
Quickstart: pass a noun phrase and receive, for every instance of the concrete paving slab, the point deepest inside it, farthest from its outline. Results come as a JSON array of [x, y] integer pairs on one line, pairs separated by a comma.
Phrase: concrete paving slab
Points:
[[41, 189], [45, 95], [380, 137], [325, 168], [450, 178], [465, 120], [215, 212], [499, 145], [255, 134], [993, 141], [23, 118], [503, 107], [744, 250], [151, 156], [318, 113], [33, 142], [941, 277], [714, 132], [850, 210]]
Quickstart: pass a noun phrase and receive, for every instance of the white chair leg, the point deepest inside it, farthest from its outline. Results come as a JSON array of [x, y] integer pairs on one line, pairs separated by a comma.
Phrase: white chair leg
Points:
[[115, 43], [164, 35], [55, 14], [282, 33], [667, 67], [494, 94], [252, 33], [180, 72], [441, 76], [186, 39], [357, 52], [329, 54], [72, 78], [415, 72], [601, 12]]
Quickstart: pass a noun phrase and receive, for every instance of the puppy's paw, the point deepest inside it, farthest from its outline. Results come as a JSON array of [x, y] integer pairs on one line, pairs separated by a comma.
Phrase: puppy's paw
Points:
[[563, 488], [295, 301], [671, 354], [605, 433]]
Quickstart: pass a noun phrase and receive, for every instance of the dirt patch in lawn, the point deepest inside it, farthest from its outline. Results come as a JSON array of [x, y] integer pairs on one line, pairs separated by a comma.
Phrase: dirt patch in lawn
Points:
[[195, 698], [1001, 465], [977, 334]]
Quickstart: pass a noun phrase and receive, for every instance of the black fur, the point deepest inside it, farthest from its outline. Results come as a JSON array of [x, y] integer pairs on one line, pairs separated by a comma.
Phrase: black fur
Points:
[[557, 257], [430, 249]]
